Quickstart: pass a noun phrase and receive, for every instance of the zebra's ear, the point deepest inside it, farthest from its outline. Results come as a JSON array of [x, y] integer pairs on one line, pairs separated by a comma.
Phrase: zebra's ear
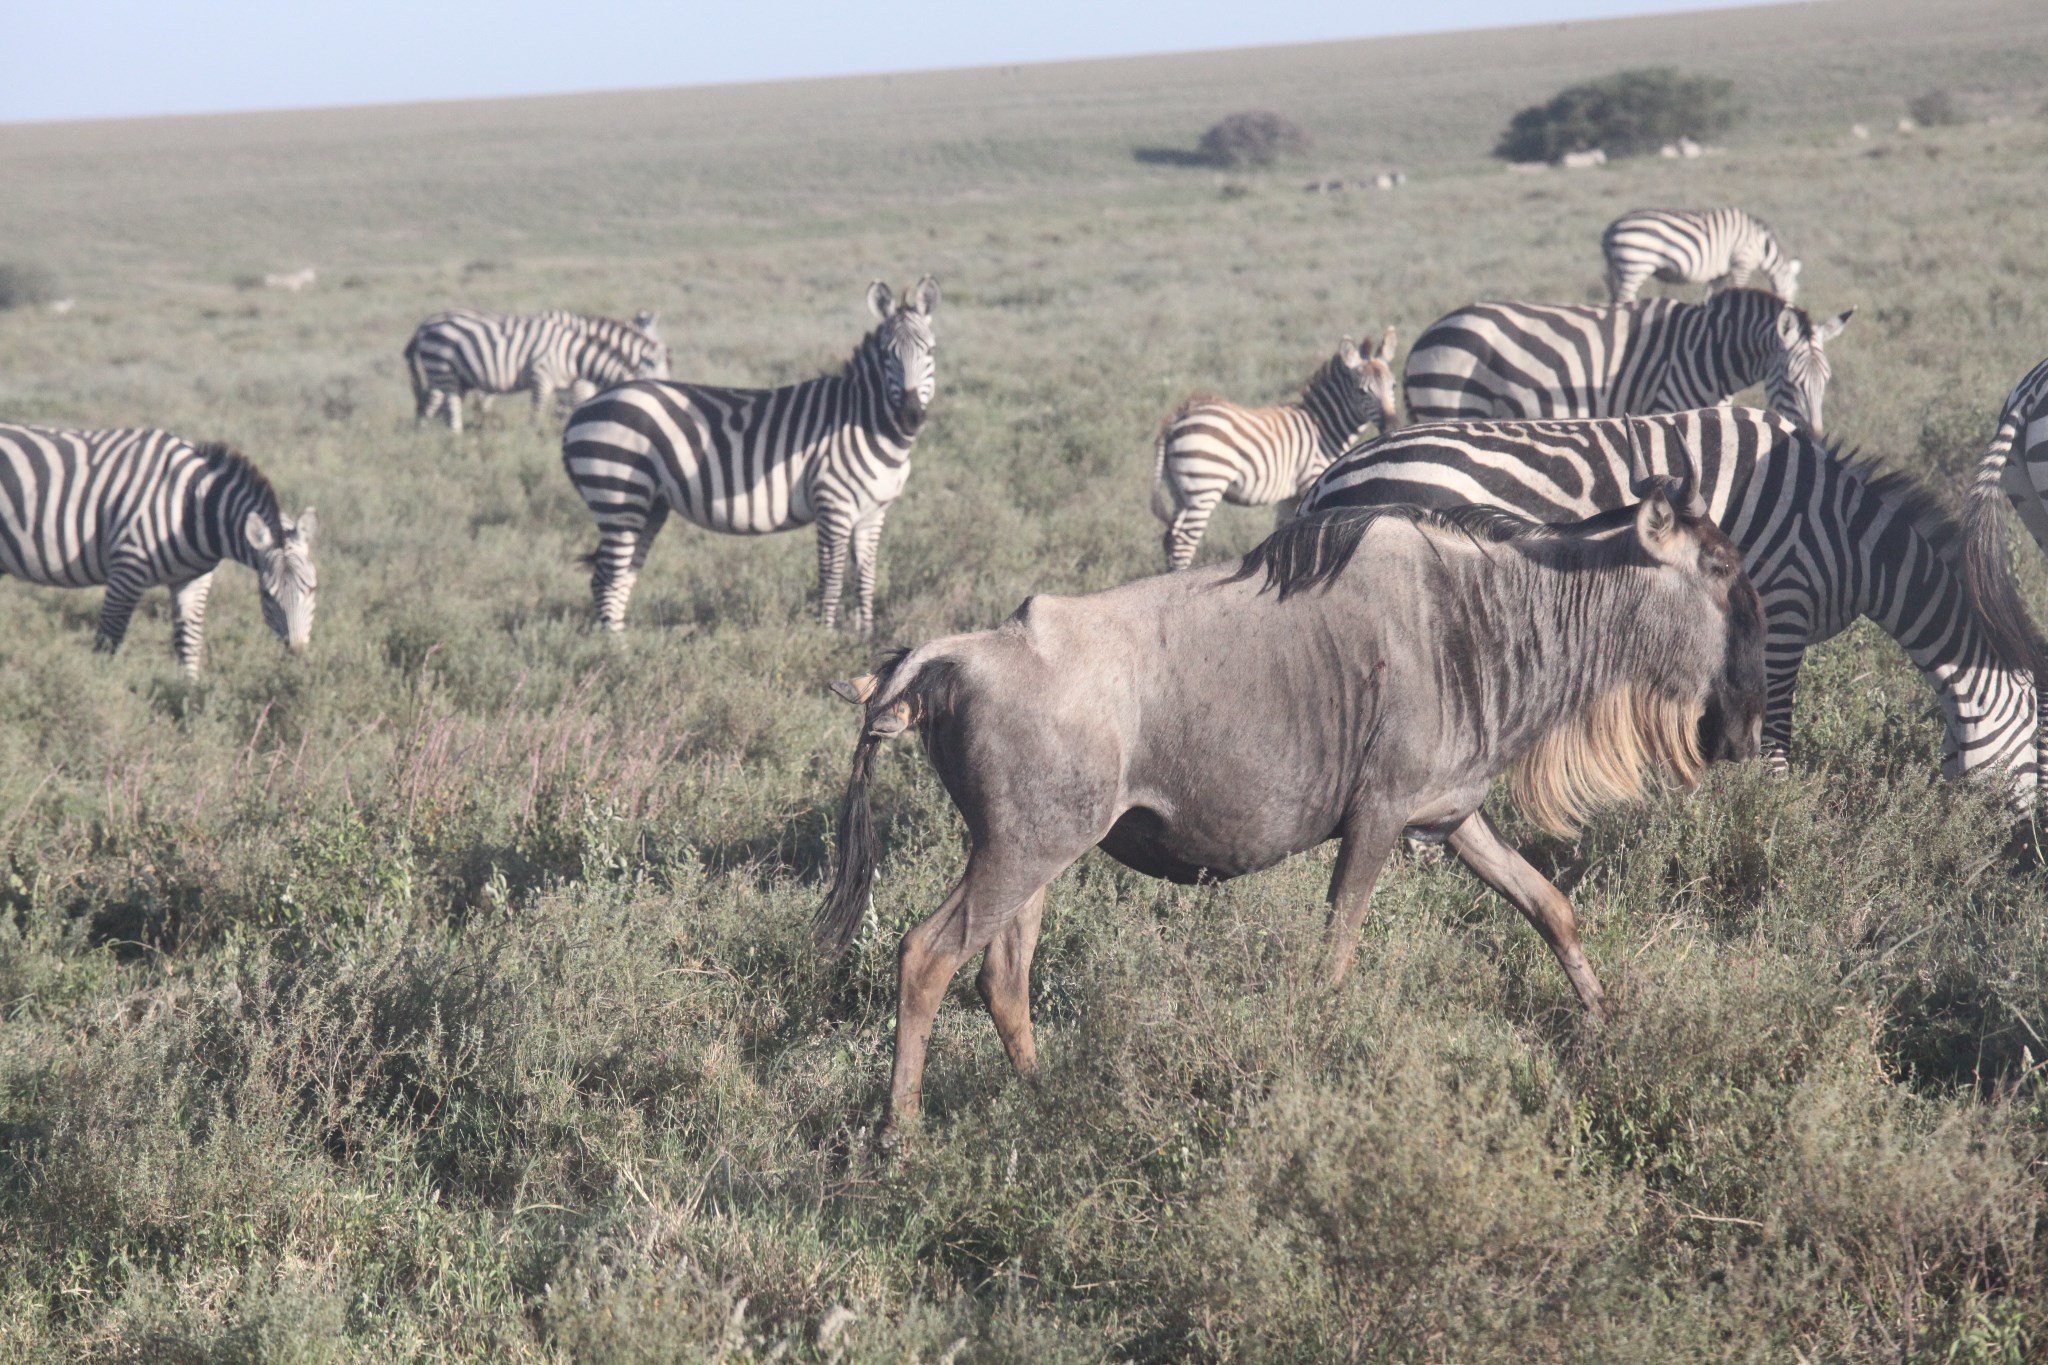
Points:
[[1657, 525], [1832, 328], [257, 532], [1347, 351], [1791, 325], [924, 297], [881, 299], [307, 526], [1384, 352]]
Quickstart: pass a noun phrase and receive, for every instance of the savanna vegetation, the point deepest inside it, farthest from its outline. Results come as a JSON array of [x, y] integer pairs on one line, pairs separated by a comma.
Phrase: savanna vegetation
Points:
[[446, 993]]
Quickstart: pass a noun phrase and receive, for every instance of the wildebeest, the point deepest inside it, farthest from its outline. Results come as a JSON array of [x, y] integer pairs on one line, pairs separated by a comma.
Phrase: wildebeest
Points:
[[1388, 665]]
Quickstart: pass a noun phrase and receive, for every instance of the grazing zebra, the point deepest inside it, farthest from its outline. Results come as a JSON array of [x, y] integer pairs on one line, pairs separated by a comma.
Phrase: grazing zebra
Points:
[[463, 351], [1211, 450], [1505, 360], [833, 450], [1714, 247], [134, 507], [1824, 539]]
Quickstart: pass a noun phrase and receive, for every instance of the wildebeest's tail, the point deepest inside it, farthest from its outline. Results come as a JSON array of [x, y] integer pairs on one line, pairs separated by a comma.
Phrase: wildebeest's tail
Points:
[[894, 702], [1987, 575]]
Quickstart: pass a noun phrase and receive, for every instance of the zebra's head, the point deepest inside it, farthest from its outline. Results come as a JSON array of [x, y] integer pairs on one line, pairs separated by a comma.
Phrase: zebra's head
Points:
[[284, 574], [905, 347], [1797, 378], [647, 323], [1371, 396]]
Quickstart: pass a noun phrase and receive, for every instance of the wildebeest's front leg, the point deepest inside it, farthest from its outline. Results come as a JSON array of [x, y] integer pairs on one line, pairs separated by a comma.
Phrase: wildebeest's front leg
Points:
[[1508, 872], [1368, 839]]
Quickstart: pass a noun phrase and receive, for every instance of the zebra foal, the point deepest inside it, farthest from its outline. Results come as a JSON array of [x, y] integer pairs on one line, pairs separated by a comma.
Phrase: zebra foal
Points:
[[1824, 539], [1715, 247], [1509, 360], [462, 351], [132, 508], [834, 451], [1212, 450]]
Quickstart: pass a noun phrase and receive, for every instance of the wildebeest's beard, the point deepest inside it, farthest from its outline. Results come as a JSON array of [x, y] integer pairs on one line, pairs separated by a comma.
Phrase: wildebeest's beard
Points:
[[1731, 723]]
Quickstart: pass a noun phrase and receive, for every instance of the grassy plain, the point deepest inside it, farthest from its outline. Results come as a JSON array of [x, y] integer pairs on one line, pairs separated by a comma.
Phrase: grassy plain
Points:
[[445, 994]]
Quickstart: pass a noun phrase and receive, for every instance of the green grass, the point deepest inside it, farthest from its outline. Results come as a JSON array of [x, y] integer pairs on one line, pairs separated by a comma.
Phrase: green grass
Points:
[[446, 993]]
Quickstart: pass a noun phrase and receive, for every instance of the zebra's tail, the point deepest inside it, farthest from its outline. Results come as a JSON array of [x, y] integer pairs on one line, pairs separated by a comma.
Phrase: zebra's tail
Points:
[[1987, 571], [417, 368], [895, 697], [1162, 497]]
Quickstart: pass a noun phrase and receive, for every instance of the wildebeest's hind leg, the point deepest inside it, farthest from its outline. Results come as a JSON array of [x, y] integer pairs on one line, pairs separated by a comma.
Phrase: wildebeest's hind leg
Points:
[[994, 893], [1368, 840], [1005, 983], [1508, 872]]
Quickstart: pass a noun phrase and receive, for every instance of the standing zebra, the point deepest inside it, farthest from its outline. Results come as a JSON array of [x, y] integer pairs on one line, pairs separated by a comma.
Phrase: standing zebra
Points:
[[1211, 449], [1824, 540], [1714, 247], [1654, 355], [2022, 425], [833, 450], [462, 351], [134, 507]]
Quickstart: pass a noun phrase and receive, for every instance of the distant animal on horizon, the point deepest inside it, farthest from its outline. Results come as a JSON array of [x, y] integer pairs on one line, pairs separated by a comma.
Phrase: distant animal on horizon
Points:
[[1362, 673], [132, 508], [1212, 450], [295, 281], [1825, 539], [833, 450], [462, 351], [1528, 360], [1720, 248]]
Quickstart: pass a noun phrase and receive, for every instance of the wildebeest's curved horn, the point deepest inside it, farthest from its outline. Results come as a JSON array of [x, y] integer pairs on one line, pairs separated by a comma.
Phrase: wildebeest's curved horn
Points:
[[1680, 492]]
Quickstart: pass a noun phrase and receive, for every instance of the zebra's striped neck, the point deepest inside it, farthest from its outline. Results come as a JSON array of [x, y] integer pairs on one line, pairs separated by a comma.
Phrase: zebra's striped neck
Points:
[[233, 489], [1729, 340], [1334, 404]]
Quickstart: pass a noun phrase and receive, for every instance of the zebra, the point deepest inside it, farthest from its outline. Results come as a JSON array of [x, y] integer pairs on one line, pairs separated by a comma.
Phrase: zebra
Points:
[[1210, 449], [463, 351], [1824, 538], [134, 507], [833, 450], [2022, 425], [1714, 247], [1506, 360]]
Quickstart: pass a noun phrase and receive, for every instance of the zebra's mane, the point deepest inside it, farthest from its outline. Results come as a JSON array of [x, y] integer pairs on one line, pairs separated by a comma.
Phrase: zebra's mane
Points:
[[219, 455], [1312, 551], [1921, 505]]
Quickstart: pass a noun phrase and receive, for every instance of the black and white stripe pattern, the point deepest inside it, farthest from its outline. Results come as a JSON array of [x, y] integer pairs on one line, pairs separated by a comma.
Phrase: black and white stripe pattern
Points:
[[2015, 465], [1509, 360], [1714, 247], [462, 351], [1212, 450], [135, 507], [1825, 541], [833, 450]]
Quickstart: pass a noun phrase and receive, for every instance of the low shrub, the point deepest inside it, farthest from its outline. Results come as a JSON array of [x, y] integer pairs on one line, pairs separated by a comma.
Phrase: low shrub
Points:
[[1258, 138], [26, 285], [1935, 109], [1626, 114]]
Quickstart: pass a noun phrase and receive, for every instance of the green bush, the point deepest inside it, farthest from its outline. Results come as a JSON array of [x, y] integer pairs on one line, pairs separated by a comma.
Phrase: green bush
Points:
[[1625, 114], [1258, 138], [23, 285], [1935, 109]]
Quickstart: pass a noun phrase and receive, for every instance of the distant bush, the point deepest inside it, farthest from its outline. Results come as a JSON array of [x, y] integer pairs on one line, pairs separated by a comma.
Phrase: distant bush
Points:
[[1935, 109], [1626, 114], [1257, 138], [27, 286]]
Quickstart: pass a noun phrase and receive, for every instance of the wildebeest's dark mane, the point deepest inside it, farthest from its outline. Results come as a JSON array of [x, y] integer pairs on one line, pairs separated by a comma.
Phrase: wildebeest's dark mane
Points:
[[1313, 550]]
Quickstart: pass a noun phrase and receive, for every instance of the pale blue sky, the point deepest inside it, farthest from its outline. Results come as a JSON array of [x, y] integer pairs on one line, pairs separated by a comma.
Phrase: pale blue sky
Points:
[[70, 59]]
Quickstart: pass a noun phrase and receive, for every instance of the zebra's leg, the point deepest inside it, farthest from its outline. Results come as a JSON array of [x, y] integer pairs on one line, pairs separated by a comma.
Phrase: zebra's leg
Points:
[[543, 395], [455, 410], [615, 565], [1184, 534], [867, 542], [1781, 680], [127, 578], [188, 621], [834, 538]]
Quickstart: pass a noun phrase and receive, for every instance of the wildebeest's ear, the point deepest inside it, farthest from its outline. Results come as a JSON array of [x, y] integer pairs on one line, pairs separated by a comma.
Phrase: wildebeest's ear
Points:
[[924, 295], [881, 298], [1347, 351], [1385, 350], [1832, 328], [855, 690], [1657, 526]]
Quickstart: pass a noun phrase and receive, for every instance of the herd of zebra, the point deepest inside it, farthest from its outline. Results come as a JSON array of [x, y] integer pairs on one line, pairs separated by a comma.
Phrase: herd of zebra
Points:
[[1549, 411]]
